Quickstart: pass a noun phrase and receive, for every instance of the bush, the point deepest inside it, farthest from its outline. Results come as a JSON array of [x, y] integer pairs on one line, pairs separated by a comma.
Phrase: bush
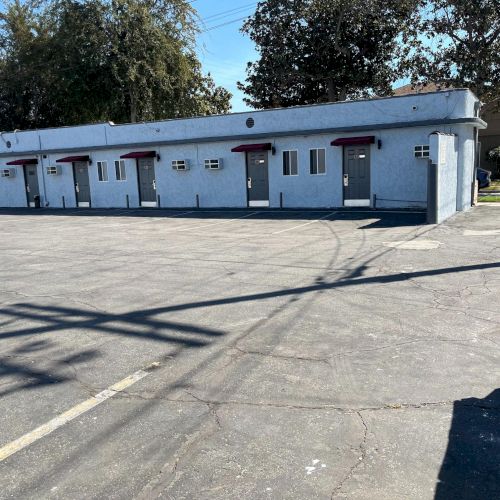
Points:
[[493, 154]]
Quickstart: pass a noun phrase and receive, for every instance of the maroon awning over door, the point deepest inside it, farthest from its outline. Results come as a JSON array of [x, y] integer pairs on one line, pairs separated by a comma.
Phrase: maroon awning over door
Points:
[[267, 146], [71, 159], [24, 161], [354, 141], [139, 154]]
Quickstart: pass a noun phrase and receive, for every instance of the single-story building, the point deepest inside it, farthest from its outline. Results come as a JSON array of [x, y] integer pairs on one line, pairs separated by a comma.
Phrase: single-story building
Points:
[[372, 152]]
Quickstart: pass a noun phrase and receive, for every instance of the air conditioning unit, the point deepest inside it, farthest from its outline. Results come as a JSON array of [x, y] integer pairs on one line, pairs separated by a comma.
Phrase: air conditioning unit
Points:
[[54, 170], [8, 172], [180, 164], [213, 164]]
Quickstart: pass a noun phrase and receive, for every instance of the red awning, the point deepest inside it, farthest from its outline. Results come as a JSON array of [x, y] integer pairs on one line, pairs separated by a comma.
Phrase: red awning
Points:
[[140, 154], [354, 141], [252, 147], [24, 161], [71, 159]]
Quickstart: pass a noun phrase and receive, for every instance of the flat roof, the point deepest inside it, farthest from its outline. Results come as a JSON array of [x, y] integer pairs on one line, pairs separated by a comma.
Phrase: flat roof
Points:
[[249, 112]]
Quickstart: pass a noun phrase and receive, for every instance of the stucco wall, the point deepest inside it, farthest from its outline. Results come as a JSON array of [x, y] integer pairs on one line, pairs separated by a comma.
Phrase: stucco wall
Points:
[[465, 174], [12, 189], [444, 155], [398, 179]]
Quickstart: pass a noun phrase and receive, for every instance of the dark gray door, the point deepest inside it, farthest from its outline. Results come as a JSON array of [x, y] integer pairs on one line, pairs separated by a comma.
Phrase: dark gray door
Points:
[[31, 179], [82, 184], [147, 181], [357, 175], [257, 179]]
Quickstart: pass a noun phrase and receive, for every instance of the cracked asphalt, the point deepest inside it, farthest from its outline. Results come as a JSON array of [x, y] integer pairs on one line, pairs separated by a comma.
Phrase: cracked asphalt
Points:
[[352, 357]]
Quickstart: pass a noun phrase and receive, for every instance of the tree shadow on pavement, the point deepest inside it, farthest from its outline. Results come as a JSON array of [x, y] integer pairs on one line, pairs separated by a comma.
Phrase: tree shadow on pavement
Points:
[[471, 466]]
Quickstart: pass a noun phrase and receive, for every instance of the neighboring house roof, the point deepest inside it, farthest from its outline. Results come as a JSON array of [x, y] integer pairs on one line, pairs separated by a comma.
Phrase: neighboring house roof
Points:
[[489, 112], [418, 88]]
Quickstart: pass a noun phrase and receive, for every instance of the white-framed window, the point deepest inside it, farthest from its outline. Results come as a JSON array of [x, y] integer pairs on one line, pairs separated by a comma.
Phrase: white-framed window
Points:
[[213, 164], [120, 171], [53, 170], [180, 164], [102, 171], [317, 161], [422, 151], [8, 172], [290, 162]]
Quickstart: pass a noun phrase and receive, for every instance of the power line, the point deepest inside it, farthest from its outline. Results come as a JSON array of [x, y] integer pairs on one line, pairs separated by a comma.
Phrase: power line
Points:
[[229, 12], [223, 24]]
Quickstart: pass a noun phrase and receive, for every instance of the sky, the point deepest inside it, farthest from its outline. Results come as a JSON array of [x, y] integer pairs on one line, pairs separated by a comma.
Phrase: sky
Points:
[[222, 49]]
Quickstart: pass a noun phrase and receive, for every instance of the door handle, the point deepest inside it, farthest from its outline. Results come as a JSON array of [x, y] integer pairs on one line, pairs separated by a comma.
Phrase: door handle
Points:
[[154, 184], [249, 183], [346, 180], [27, 189], [77, 188]]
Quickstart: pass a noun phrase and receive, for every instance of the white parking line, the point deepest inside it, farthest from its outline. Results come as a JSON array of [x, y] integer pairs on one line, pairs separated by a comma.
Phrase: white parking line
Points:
[[216, 223], [45, 429], [305, 224]]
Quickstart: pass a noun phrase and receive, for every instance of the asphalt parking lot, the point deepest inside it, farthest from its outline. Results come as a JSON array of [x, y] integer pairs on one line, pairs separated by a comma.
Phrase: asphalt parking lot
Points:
[[249, 354]]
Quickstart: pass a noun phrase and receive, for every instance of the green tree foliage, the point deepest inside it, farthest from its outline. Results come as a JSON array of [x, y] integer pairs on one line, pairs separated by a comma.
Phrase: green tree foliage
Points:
[[324, 50], [65, 62], [457, 44]]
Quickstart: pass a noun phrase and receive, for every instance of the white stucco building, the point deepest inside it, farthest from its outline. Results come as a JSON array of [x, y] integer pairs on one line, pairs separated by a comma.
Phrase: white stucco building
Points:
[[354, 153]]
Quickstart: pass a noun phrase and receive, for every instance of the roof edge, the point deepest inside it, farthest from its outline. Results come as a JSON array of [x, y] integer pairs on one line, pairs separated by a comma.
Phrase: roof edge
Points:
[[476, 122]]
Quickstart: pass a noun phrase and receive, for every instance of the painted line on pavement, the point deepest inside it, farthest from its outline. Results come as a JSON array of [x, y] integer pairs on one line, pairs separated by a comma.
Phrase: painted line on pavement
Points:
[[69, 415], [215, 223], [305, 224]]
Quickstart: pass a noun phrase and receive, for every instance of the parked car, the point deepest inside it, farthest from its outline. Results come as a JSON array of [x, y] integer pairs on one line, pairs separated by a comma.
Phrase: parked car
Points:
[[484, 177]]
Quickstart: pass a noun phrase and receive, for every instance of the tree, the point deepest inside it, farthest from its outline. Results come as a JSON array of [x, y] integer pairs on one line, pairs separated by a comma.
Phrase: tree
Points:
[[23, 41], [458, 45], [324, 50], [65, 62]]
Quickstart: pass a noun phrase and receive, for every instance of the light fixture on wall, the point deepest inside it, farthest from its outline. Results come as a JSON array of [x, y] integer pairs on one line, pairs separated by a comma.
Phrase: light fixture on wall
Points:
[[379, 144], [158, 158], [90, 161], [273, 150]]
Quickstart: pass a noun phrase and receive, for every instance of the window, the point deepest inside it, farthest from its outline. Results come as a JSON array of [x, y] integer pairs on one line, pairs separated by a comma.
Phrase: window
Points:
[[213, 164], [422, 151], [317, 165], [290, 163], [120, 172], [102, 171], [8, 172], [180, 165], [54, 170]]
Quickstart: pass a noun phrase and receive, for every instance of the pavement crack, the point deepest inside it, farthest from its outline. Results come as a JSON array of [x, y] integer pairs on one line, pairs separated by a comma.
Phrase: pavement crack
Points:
[[359, 461], [281, 356], [212, 407]]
